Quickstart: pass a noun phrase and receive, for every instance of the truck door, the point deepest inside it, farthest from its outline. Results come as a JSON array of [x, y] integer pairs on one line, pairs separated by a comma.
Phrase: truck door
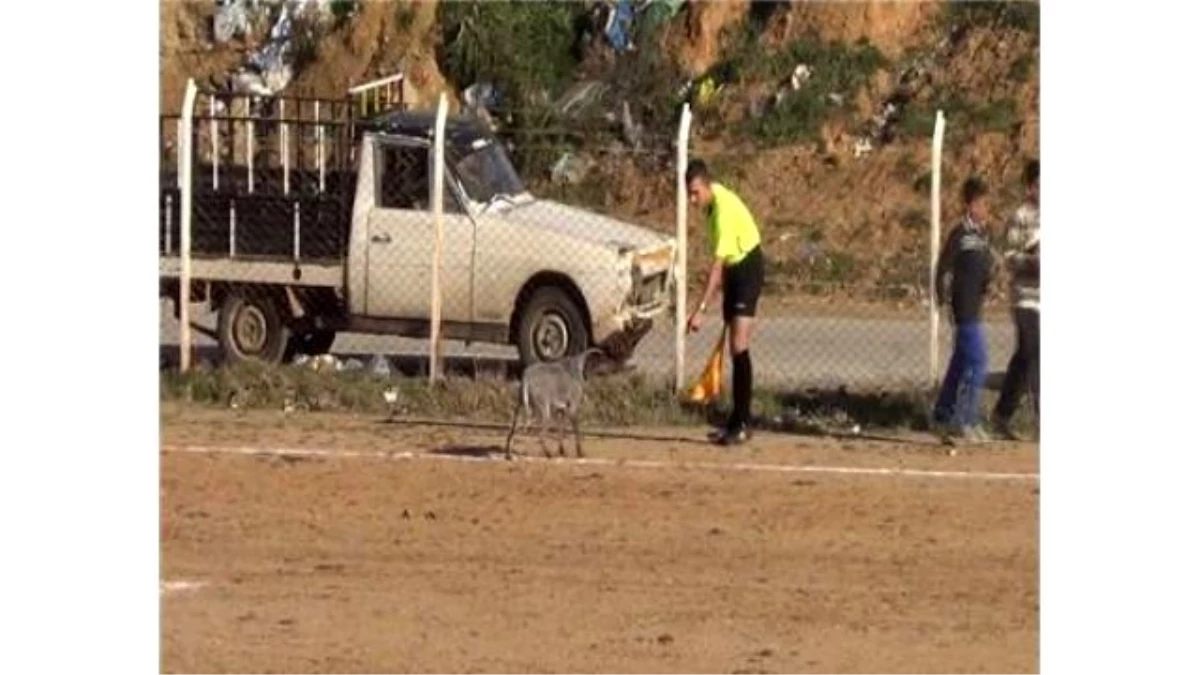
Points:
[[401, 237]]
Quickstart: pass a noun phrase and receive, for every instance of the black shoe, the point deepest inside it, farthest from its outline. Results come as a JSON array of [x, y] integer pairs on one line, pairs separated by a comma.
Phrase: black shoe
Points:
[[731, 437], [1004, 430]]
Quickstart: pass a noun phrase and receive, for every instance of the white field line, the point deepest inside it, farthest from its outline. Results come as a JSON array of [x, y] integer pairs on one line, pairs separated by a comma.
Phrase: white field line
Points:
[[589, 461], [166, 587]]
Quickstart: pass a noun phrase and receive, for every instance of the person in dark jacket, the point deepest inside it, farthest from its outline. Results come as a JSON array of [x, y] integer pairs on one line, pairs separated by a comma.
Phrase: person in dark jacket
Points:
[[966, 261], [1021, 255]]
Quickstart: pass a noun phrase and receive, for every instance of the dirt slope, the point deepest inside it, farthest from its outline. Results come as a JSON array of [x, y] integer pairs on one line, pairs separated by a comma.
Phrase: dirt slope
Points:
[[379, 41], [829, 219]]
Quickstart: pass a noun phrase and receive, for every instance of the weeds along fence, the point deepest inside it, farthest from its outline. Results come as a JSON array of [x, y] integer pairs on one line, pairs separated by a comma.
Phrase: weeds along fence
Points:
[[842, 307]]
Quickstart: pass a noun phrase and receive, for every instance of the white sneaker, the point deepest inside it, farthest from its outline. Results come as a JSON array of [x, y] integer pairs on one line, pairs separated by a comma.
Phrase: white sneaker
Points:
[[976, 434]]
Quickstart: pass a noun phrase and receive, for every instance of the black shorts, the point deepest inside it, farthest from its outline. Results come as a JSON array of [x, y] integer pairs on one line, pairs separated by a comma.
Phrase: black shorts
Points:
[[742, 285]]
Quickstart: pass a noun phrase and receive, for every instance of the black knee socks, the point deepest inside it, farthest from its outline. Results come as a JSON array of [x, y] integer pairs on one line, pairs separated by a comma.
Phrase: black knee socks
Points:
[[742, 388]]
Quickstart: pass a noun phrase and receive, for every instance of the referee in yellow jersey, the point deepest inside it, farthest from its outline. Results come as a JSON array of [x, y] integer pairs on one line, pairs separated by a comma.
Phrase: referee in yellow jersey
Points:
[[738, 269]]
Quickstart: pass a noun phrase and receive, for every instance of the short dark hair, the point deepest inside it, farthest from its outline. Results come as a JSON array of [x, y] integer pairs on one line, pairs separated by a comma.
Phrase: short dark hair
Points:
[[696, 168], [1033, 170], [973, 188]]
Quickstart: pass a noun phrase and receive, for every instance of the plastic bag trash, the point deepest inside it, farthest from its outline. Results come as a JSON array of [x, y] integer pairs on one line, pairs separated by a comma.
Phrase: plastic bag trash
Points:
[[631, 130], [380, 367], [322, 362], [271, 63], [326, 362], [231, 20], [483, 95], [246, 82], [862, 147], [580, 97], [800, 74], [570, 169], [620, 25]]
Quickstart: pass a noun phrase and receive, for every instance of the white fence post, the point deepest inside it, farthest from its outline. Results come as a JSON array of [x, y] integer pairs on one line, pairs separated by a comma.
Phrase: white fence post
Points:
[[439, 189], [185, 227], [935, 242], [681, 243]]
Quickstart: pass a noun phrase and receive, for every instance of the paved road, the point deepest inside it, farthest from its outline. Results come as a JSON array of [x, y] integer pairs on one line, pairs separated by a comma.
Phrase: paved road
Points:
[[789, 351]]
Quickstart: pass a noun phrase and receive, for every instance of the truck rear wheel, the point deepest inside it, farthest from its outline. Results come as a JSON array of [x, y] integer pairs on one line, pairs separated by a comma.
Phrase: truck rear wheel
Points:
[[551, 327], [250, 327]]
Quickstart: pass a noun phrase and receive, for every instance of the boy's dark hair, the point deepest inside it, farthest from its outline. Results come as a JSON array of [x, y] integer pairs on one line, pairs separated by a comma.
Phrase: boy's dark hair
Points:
[[1033, 170], [973, 188], [696, 168]]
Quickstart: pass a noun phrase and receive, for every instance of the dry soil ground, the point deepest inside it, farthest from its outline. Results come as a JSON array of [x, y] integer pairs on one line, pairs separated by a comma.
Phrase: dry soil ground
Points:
[[659, 556]]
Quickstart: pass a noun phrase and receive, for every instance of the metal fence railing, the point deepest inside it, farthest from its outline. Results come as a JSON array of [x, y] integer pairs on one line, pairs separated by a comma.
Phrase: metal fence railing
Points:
[[306, 228]]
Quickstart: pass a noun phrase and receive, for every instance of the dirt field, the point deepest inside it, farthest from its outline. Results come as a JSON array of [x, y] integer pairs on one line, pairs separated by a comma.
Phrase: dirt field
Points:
[[659, 556]]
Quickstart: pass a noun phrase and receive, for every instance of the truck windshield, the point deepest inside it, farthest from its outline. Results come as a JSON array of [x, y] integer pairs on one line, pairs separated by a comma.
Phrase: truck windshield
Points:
[[486, 172]]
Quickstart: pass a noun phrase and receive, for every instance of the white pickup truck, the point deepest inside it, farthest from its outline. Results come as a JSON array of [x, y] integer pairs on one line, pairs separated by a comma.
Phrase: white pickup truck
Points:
[[311, 218]]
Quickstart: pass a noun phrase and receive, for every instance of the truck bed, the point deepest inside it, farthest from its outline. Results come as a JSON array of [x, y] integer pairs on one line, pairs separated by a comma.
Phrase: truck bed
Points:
[[272, 179], [233, 222]]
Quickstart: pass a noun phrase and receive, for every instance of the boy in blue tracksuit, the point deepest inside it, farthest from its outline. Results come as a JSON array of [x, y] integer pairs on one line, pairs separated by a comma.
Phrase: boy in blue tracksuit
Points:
[[967, 260]]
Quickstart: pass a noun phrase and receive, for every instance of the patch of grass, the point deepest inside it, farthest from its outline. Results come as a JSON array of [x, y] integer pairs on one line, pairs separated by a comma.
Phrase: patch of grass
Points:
[[837, 268], [917, 120], [823, 273], [650, 80], [1022, 68], [594, 191], [963, 118], [1020, 15], [900, 274], [836, 68], [729, 169], [999, 115], [342, 10], [799, 117], [520, 45], [305, 42], [531, 51], [612, 401]]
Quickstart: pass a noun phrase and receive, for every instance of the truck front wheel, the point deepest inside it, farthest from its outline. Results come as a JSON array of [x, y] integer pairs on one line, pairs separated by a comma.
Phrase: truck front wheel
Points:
[[250, 327], [551, 327]]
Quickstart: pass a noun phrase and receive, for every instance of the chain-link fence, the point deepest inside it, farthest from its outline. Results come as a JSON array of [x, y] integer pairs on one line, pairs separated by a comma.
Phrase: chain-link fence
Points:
[[314, 227]]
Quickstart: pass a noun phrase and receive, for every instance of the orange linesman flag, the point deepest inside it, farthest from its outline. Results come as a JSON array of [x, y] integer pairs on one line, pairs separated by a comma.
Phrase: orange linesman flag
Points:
[[707, 387]]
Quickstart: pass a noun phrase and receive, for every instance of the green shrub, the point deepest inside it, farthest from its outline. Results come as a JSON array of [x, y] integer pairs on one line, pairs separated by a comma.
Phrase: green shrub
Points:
[[836, 68], [1020, 15], [342, 10], [527, 45]]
